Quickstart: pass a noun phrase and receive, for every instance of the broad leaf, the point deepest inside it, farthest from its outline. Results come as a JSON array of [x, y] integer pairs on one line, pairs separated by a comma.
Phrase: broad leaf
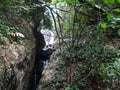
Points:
[[109, 1], [117, 10], [118, 1], [109, 16]]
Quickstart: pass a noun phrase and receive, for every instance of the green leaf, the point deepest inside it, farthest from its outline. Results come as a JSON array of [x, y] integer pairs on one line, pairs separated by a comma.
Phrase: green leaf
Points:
[[104, 25], [69, 1], [68, 88], [4, 38], [117, 10], [118, 1], [63, 0], [48, 1], [63, 69], [109, 1], [109, 16], [119, 32], [92, 1]]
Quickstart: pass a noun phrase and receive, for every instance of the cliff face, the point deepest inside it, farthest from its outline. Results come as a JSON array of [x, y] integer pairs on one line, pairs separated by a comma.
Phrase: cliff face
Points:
[[17, 55]]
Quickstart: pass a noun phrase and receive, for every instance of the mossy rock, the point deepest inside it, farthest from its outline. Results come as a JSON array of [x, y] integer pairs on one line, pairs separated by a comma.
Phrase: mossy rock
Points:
[[16, 56]]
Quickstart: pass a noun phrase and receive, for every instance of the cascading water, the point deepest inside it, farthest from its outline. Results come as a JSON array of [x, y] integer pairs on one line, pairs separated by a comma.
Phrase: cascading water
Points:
[[43, 57]]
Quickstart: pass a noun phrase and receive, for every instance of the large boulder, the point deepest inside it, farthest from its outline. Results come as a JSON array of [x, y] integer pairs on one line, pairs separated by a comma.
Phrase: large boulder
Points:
[[17, 54]]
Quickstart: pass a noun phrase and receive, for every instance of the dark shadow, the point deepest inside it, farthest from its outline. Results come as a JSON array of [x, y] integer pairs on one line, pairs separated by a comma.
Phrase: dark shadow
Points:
[[42, 57]]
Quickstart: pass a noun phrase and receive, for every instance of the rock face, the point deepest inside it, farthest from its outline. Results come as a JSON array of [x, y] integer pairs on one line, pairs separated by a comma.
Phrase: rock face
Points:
[[17, 56]]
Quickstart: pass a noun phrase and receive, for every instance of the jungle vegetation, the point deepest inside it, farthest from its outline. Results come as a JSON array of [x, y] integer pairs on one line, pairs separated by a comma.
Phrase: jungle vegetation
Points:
[[93, 30]]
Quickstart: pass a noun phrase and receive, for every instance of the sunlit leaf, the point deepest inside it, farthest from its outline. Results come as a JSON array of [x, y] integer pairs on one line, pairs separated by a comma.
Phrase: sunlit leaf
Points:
[[69, 1], [109, 1], [104, 25], [118, 1], [117, 10]]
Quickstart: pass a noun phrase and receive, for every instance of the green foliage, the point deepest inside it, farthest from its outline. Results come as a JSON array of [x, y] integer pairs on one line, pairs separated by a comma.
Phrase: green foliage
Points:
[[4, 31], [5, 5], [109, 16], [48, 1], [68, 88], [6, 2], [118, 1], [117, 10], [86, 24], [109, 1], [57, 1], [8, 32], [69, 1], [104, 25], [88, 43]]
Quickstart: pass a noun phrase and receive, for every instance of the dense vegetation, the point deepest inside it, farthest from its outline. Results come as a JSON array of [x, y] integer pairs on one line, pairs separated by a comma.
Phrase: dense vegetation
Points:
[[92, 30], [89, 31]]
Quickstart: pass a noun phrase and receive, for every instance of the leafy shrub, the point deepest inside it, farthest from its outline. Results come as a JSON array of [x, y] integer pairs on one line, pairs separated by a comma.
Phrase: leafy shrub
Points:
[[88, 49]]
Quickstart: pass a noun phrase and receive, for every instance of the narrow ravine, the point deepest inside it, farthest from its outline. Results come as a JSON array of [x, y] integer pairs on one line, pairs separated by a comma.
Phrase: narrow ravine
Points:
[[44, 49]]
